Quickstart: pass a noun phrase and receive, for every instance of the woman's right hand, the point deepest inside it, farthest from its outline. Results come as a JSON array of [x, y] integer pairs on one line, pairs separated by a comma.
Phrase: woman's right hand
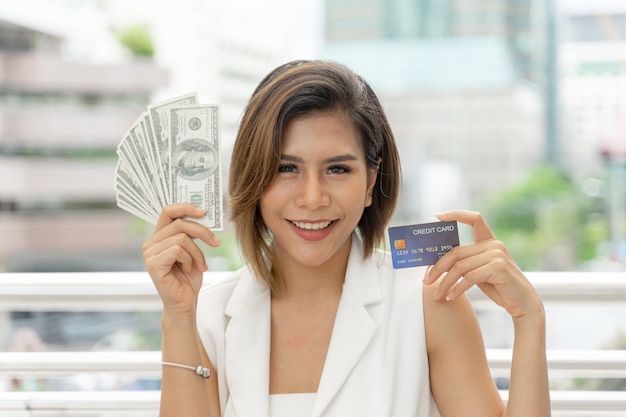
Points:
[[174, 261]]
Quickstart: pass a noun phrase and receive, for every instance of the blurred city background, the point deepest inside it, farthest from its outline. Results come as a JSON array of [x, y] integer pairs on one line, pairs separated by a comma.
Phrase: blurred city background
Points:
[[515, 108]]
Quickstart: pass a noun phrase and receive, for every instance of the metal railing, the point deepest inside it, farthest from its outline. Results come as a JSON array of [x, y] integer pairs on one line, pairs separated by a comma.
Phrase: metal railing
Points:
[[134, 292], [121, 291]]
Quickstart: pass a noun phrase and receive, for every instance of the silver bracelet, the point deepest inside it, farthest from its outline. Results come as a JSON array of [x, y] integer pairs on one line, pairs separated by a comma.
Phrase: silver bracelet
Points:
[[200, 370]]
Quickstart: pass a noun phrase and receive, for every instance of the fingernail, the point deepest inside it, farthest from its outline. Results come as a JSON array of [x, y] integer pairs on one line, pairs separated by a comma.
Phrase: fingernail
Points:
[[203, 265], [427, 277], [200, 211], [216, 240]]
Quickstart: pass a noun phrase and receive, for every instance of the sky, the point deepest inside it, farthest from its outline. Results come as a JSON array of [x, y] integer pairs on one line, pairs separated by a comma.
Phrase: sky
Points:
[[293, 27]]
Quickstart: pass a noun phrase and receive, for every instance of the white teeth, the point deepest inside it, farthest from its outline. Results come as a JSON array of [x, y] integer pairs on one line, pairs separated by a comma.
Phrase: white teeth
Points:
[[312, 226]]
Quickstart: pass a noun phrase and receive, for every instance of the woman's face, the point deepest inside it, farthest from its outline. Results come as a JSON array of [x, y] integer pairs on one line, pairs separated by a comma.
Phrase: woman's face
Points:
[[317, 198]]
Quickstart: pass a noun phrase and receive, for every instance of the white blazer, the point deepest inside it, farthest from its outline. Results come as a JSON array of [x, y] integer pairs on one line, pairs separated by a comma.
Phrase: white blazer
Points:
[[376, 363]]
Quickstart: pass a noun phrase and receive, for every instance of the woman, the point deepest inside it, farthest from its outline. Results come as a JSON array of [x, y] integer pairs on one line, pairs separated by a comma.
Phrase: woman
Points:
[[319, 323]]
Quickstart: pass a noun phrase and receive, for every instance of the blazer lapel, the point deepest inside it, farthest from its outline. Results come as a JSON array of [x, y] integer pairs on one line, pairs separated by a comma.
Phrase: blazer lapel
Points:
[[247, 337], [354, 326], [247, 341]]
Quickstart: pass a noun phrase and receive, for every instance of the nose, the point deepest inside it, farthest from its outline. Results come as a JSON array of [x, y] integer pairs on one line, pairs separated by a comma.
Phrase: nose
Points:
[[312, 193]]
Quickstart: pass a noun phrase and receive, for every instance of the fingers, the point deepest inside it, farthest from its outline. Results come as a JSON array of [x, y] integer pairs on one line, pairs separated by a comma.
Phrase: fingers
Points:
[[474, 265], [175, 211], [456, 262], [178, 248], [467, 265], [192, 229], [455, 265], [162, 263], [173, 240], [487, 264], [173, 214], [473, 218]]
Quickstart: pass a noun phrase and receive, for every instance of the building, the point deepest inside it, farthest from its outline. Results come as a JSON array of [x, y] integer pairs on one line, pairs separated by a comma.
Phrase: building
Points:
[[593, 82], [593, 88], [452, 102], [510, 20], [455, 78], [58, 67], [60, 121]]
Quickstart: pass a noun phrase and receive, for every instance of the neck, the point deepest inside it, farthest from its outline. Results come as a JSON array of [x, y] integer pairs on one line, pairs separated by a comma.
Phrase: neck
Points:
[[304, 282]]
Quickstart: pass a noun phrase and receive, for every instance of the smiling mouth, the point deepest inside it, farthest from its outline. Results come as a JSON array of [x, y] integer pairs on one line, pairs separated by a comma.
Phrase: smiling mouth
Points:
[[311, 226]]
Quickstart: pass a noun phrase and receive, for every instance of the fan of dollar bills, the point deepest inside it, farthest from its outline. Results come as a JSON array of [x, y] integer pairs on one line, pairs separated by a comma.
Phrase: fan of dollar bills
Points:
[[171, 154]]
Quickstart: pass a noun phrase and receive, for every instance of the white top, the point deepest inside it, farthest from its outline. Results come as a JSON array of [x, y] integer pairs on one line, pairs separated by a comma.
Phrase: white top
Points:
[[376, 364], [292, 405]]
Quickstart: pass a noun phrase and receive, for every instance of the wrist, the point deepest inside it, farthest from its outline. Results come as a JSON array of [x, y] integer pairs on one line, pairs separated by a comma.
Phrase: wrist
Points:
[[179, 342], [178, 321], [534, 316]]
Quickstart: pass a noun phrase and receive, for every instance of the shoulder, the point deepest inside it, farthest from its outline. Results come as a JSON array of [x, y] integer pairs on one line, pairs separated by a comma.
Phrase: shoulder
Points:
[[400, 288], [402, 277], [226, 295], [216, 293], [222, 279], [220, 287]]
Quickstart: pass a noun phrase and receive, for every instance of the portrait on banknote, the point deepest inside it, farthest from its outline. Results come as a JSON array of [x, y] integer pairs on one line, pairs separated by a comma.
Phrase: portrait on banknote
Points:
[[194, 159]]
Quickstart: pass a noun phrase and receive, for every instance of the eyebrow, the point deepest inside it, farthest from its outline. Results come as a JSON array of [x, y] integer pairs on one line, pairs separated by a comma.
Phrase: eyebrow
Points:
[[333, 159]]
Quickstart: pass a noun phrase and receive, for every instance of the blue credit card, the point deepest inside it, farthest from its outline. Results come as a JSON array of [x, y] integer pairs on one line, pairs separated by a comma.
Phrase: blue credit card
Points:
[[421, 244]]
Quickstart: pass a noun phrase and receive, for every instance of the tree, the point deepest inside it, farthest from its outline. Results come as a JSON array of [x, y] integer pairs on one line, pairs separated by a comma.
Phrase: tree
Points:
[[546, 221], [137, 39]]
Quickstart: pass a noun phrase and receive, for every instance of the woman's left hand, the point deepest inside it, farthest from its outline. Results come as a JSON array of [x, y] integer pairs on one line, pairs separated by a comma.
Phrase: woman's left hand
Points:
[[485, 263]]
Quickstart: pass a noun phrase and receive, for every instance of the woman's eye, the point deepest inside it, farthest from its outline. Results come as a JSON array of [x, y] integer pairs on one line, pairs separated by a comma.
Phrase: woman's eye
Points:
[[339, 169], [287, 168]]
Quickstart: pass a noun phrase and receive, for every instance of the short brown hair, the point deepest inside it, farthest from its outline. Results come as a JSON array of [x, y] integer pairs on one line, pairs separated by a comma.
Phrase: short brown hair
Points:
[[294, 90]]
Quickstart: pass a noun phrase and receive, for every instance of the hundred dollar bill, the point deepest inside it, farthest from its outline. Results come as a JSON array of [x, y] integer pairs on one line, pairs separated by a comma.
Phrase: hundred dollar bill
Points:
[[147, 129], [132, 169], [143, 157], [124, 202], [127, 185], [195, 161], [159, 114]]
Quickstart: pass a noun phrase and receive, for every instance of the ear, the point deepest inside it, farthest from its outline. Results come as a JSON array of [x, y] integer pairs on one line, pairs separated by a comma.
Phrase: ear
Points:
[[372, 175]]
